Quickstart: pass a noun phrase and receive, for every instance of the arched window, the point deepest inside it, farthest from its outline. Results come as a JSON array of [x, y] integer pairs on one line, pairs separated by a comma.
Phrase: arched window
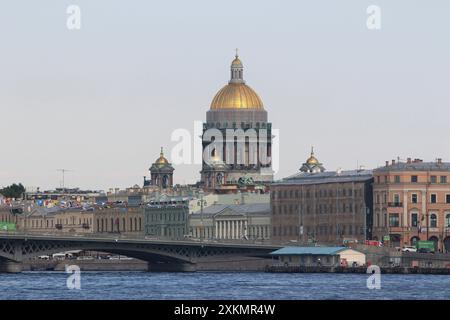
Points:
[[433, 221]]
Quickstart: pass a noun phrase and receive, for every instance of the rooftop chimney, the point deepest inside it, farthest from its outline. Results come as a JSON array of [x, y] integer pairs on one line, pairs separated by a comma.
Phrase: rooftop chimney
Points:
[[439, 160], [408, 160], [387, 163], [393, 162]]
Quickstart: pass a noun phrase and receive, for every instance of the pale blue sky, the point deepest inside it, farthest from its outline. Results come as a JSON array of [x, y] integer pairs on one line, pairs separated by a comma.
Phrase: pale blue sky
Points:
[[102, 100]]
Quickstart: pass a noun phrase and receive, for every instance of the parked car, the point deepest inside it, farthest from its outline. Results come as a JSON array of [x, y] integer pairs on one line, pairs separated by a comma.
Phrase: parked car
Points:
[[409, 249]]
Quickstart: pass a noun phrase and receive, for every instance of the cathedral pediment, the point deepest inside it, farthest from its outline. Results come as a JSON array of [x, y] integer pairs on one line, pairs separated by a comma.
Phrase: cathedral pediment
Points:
[[228, 212]]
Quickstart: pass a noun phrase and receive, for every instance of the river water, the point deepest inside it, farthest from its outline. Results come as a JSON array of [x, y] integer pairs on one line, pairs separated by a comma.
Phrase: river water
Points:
[[220, 285]]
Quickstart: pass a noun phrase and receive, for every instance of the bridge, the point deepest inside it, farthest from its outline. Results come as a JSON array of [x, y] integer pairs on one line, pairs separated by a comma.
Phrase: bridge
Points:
[[161, 255]]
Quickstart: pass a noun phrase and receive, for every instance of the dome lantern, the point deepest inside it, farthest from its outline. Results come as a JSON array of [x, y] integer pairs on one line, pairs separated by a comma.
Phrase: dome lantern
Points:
[[236, 94], [237, 70]]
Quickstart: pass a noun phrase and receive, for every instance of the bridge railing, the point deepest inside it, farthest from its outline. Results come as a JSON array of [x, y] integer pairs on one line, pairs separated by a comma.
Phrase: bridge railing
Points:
[[128, 236]]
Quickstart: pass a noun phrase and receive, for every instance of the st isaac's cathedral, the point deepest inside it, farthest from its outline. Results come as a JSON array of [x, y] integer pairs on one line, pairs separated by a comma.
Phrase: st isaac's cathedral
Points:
[[238, 120]]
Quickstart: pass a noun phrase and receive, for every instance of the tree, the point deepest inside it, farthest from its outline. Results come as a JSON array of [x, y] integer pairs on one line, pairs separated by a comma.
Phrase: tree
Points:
[[13, 191]]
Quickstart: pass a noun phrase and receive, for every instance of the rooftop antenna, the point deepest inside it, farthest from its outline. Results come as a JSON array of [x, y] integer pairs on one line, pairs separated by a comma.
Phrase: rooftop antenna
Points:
[[63, 171]]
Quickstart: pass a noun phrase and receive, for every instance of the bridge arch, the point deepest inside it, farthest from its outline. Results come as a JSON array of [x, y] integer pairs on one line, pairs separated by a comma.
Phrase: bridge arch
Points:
[[20, 250]]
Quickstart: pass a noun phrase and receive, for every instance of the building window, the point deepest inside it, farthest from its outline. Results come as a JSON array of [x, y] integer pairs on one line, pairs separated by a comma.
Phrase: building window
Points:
[[396, 198], [414, 179], [386, 179], [397, 179], [414, 198], [447, 198], [394, 220], [414, 220], [443, 179], [433, 179], [433, 221], [433, 198], [447, 220]]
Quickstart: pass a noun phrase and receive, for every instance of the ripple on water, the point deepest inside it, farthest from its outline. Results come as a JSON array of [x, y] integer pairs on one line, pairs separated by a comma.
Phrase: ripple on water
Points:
[[220, 285]]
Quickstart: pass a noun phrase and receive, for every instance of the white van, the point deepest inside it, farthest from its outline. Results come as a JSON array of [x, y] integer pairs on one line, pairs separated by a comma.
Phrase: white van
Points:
[[58, 256]]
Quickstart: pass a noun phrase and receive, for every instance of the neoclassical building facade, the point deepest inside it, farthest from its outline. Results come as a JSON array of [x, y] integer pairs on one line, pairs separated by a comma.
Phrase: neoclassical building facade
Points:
[[232, 222], [412, 202], [326, 207]]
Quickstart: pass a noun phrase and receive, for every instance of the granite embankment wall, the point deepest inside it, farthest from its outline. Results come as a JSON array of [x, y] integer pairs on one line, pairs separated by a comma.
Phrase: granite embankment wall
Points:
[[236, 263], [86, 265]]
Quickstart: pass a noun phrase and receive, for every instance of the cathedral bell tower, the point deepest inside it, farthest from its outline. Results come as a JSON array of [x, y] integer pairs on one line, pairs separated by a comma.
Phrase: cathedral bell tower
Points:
[[161, 173]]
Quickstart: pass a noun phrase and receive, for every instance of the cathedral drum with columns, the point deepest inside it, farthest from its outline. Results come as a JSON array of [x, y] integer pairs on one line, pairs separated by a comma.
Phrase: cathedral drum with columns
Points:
[[237, 137]]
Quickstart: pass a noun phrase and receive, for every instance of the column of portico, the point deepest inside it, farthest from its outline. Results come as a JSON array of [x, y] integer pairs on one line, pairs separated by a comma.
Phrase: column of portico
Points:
[[224, 223], [239, 229], [246, 228], [233, 229], [216, 230], [227, 230]]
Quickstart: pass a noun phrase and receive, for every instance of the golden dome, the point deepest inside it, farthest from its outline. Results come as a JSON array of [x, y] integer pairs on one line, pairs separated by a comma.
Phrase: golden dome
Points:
[[237, 96], [236, 62], [312, 159], [161, 159]]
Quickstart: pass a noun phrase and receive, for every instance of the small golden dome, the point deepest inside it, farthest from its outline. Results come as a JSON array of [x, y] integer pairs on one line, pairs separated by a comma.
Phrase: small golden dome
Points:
[[161, 159], [312, 159], [237, 96], [236, 62]]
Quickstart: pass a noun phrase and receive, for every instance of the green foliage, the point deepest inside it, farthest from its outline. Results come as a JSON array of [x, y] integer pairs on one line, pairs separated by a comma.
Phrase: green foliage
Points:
[[13, 191]]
